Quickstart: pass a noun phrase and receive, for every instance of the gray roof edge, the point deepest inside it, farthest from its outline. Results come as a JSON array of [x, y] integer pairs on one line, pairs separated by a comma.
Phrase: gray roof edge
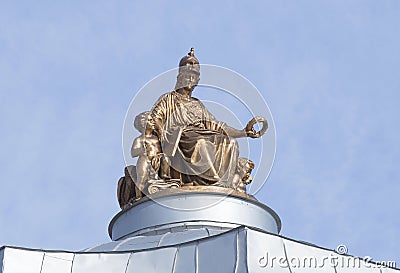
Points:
[[238, 229]]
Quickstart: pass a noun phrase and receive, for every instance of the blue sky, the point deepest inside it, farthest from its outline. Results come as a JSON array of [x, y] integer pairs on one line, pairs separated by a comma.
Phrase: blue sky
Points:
[[329, 71]]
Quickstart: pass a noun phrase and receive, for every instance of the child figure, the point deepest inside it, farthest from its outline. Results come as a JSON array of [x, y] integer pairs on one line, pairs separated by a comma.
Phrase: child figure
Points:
[[152, 163], [243, 174]]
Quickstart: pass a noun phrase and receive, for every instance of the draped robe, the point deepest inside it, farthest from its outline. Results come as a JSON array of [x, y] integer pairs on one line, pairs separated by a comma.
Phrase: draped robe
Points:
[[194, 140]]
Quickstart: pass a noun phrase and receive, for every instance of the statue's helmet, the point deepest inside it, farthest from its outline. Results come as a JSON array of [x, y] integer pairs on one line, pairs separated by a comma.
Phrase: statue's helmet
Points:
[[189, 64]]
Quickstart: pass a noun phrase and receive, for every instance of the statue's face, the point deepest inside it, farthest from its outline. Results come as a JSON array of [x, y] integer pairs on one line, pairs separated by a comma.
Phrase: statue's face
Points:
[[146, 122], [249, 168], [149, 122], [188, 80], [246, 169]]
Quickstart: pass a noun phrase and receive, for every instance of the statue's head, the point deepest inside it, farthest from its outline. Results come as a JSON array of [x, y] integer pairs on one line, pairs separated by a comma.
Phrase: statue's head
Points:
[[143, 120], [189, 72]]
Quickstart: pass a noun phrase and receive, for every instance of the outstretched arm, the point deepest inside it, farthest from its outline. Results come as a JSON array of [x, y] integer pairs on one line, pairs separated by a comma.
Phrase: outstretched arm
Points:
[[235, 133], [232, 132], [211, 122]]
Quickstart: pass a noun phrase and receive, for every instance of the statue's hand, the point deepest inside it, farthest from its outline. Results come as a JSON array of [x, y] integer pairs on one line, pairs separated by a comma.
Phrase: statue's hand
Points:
[[251, 132]]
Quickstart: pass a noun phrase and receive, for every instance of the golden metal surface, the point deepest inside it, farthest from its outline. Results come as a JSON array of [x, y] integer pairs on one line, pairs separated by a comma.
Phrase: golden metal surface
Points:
[[181, 140]]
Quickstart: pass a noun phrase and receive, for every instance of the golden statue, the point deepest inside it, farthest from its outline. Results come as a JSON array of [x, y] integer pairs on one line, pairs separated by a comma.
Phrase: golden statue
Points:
[[199, 149]]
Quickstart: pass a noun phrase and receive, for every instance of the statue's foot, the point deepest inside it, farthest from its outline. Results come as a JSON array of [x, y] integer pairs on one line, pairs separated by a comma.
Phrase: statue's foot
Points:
[[167, 179]]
